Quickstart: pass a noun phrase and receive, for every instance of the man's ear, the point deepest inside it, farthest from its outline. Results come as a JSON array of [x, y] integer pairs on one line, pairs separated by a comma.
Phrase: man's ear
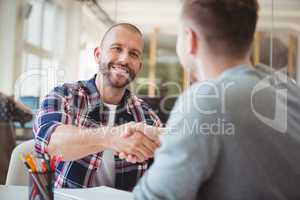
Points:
[[141, 66], [192, 41], [97, 54]]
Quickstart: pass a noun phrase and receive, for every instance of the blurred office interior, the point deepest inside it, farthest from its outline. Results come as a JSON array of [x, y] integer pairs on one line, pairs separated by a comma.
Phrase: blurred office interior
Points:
[[44, 43]]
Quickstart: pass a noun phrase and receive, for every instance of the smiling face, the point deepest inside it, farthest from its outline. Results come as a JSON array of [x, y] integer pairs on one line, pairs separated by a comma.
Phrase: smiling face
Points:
[[120, 56]]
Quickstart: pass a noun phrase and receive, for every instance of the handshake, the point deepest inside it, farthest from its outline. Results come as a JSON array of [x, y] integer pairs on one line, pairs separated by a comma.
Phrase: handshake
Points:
[[135, 142]]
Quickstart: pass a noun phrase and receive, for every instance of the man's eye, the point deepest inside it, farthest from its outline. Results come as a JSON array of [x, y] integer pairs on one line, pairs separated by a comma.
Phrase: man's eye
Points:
[[134, 55], [118, 49]]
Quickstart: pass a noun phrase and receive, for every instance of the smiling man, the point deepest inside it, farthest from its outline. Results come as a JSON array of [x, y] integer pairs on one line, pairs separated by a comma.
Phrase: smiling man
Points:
[[83, 121]]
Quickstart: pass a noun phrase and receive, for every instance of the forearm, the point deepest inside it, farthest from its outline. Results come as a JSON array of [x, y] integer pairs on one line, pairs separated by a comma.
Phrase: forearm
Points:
[[76, 153], [74, 143]]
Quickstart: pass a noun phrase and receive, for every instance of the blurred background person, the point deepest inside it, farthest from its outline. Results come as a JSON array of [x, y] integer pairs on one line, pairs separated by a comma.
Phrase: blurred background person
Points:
[[10, 112]]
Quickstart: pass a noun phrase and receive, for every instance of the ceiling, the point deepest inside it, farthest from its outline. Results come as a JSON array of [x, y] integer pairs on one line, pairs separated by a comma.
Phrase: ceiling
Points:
[[164, 14], [146, 14]]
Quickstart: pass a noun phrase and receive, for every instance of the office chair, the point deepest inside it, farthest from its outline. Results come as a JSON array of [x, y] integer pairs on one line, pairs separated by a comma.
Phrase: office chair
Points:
[[162, 107], [17, 172], [33, 103]]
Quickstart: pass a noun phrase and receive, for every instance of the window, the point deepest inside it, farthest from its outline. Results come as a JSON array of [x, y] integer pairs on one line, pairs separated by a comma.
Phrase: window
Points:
[[43, 35]]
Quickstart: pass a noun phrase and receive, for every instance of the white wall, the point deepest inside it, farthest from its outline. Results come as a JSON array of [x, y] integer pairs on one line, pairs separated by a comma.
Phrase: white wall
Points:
[[70, 60], [92, 32], [8, 19], [11, 43]]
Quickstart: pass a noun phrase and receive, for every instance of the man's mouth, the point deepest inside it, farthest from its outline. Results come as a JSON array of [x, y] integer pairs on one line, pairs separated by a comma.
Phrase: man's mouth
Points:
[[120, 70]]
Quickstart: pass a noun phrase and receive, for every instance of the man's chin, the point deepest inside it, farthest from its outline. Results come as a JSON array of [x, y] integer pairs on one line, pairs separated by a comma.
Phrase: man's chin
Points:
[[118, 84], [117, 81]]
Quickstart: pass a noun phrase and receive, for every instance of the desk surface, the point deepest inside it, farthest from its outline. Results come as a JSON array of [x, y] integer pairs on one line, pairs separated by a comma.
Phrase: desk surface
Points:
[[21, 193]]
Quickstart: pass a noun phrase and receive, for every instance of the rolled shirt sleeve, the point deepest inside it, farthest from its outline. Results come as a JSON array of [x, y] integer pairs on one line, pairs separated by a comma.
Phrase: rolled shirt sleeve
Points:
[[54, 111]]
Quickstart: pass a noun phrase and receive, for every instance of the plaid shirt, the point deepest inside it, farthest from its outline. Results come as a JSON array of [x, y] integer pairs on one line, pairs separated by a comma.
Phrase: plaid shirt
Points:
[[80, 104]]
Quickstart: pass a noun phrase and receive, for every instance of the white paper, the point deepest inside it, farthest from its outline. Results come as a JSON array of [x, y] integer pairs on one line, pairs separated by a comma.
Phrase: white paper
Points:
[[96, 193]]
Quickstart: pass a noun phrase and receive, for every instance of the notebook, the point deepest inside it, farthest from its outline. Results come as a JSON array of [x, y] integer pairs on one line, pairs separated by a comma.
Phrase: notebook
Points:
[[95, 193]]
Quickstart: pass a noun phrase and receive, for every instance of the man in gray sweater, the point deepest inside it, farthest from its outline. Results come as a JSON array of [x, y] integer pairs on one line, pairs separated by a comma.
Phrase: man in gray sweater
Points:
[[235, 134]]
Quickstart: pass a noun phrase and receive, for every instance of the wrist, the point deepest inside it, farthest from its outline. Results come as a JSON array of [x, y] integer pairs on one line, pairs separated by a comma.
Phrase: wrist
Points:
[[108, 137]]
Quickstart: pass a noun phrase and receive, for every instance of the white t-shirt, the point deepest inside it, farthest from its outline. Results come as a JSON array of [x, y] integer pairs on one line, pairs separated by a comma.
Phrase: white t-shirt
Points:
[[105, 174]]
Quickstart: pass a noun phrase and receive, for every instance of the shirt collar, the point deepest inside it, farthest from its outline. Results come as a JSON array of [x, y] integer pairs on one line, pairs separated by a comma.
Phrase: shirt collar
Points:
[[93, 92]]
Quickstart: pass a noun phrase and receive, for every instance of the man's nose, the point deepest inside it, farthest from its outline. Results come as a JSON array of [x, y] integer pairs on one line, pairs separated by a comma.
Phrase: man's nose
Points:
[[124, 57]]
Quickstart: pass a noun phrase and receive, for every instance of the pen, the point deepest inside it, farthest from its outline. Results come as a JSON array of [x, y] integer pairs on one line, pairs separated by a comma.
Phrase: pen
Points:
[[30, 162], [47, 160], [25, 163], [44, 165], [52, 163]]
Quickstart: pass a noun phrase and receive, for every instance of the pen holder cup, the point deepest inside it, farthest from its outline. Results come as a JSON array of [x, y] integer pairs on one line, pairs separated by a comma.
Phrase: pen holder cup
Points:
[[41, 185]]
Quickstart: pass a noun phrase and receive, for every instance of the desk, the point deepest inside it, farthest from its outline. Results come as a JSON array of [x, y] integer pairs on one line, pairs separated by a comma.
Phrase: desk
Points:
[[21, 193]]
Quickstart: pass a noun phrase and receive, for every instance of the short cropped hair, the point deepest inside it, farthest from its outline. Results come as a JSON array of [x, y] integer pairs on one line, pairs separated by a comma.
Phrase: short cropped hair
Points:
[[227, 26], [128, 26]]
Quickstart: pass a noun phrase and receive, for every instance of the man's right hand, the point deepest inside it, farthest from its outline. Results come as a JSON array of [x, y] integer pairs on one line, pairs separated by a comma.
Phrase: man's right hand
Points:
[[151, 132], [137, 143]]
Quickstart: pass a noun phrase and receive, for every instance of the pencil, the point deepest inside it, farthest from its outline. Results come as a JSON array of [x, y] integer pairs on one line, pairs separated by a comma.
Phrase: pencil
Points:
[[25, 163], [30, 162]]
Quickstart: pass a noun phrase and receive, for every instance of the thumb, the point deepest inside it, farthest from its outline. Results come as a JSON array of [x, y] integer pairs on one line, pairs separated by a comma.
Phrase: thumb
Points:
[[151, 132], [127, 132]]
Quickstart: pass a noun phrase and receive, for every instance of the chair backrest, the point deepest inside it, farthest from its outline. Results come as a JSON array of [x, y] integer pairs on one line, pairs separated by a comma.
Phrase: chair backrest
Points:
[[161, 106], [17, 172], [33, 103]]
